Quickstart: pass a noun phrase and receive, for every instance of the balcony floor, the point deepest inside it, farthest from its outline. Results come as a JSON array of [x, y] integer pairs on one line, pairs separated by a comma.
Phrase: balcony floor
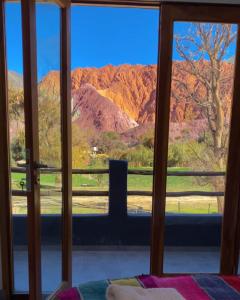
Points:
[[112, 262]]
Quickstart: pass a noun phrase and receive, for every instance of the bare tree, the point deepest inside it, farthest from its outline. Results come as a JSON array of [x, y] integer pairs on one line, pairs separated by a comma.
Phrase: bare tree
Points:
[[205, 51]]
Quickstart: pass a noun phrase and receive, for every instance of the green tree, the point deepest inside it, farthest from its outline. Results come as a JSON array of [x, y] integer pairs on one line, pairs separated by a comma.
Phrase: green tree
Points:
[[49, 128], [18, 147], [180, 154], [109, 143], [16, 106], [139, 156], [147, 139], [81, 151]]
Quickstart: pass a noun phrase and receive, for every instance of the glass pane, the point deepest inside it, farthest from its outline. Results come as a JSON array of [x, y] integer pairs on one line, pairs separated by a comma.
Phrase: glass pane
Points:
[[48, 63], [192, 205], [51, 194], [114, 56], [90, 183], [94, 205], [201, 95], [17, 143], [139, 205]]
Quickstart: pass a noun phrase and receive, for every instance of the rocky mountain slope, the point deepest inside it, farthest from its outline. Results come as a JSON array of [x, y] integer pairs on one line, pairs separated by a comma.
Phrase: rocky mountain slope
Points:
[[98, 112], [121, 98], [128, 86]]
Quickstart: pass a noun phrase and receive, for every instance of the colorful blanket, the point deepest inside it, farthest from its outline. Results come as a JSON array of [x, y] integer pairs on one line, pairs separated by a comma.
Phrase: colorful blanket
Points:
[[195, 287]]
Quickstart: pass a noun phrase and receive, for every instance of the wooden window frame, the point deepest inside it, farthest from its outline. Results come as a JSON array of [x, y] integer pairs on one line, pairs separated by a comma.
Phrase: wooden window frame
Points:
[[193, 13]]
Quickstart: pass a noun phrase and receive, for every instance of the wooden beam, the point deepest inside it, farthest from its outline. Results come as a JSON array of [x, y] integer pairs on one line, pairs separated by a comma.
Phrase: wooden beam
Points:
[[32, 145], [199, 12], [66, 121], [230, 245], [5, 172], [161, 140], [120, 3], [63, 3]]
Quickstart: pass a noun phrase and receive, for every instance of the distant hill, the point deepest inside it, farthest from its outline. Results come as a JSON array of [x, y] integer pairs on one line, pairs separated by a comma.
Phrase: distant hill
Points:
[[98, 112], [128, 86], [15, 80], [121, 98]]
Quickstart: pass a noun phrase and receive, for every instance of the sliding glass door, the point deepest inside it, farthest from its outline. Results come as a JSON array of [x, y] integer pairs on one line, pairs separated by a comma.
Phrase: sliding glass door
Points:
[[202, 80], [114, 72], [196, 134], [36, 107]]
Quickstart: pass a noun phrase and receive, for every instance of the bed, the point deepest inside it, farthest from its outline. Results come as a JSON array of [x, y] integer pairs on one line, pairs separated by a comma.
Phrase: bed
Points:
[[194, 287]]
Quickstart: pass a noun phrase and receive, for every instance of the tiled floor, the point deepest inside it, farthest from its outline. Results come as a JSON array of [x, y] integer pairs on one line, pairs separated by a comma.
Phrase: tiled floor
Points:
[[101, 263]]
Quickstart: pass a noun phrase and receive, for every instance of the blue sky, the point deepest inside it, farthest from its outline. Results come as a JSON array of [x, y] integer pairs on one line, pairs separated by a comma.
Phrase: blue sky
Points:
[[99, 36]]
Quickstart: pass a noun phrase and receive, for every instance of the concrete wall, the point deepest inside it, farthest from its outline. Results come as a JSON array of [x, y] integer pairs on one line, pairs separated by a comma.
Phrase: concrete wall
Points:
[[180, 230]]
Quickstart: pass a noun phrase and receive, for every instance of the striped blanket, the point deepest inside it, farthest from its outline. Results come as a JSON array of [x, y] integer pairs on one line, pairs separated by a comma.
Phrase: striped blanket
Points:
[[195, 287]]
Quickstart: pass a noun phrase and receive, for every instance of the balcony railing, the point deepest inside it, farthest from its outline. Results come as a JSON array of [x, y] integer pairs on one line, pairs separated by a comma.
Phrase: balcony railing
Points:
[[119, 171], [118, 227]]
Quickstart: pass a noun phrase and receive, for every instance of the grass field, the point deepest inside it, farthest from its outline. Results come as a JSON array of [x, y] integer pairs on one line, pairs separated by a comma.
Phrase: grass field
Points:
[[100, 182], [136, 204]]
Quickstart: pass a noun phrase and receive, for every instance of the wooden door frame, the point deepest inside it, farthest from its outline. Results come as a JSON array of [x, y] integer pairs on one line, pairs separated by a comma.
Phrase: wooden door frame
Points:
[[66, 124], [32, 144], [5, 173], [231, 222], [169, 14], [190, 13]]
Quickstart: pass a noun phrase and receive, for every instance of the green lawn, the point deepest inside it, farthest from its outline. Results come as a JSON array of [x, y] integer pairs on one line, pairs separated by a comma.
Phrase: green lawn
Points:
[[95, 205], [135, 182], [136, 204]]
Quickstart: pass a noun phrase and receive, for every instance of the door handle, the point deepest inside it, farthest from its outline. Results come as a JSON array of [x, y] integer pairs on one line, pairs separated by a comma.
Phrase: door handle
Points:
[[36, 166], [40, 166], [28, 171]]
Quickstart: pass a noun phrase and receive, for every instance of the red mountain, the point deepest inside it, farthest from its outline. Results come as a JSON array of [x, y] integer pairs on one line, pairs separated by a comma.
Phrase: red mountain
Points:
[[97, 112], [117, 98]]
